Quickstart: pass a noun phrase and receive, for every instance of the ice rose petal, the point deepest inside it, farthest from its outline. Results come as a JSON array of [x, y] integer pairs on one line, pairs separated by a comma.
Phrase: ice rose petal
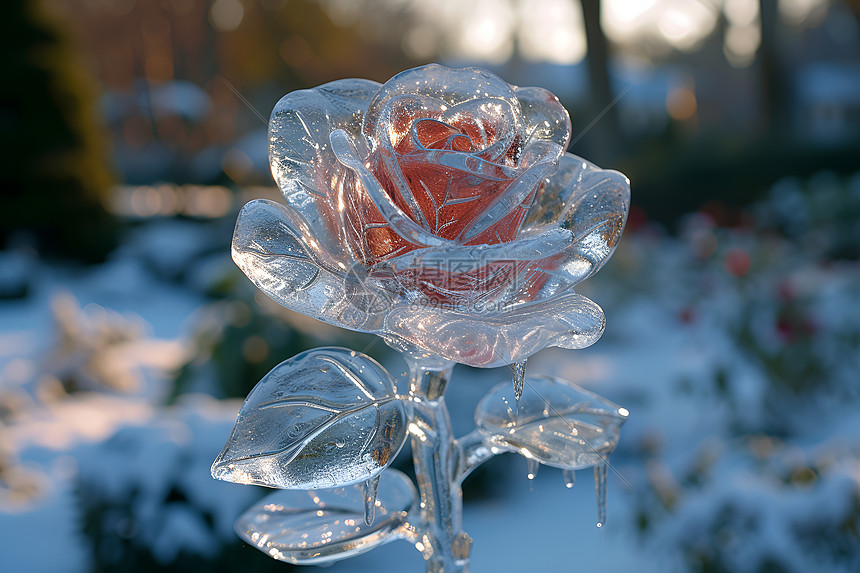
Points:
[[397, 220], [532, 247], [491, 340], [394, 126], [272, 250], [303, 164], [455, 188], [444, 164], [518, 195], [490, 124], [452, 86], [592, 204], [543, 116]]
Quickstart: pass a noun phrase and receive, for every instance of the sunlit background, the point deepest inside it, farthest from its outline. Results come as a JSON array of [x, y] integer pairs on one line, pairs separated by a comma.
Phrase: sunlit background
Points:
[[132, 131]]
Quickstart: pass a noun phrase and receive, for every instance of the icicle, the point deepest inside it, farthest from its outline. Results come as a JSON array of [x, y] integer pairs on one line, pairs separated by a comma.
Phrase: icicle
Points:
[[519, 380], [569, 478], [533, 469], [600, 472], [370, 499]]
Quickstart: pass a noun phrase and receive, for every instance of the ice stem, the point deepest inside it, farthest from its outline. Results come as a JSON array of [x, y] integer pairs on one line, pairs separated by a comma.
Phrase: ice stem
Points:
[[444, 545]]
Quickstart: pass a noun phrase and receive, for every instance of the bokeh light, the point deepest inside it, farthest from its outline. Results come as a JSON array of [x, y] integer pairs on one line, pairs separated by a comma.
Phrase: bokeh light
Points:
[[226, 15]]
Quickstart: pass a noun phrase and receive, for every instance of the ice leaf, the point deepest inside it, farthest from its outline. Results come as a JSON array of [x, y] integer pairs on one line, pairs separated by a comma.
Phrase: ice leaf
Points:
[[327, 417], [559, 423], [322, 526]]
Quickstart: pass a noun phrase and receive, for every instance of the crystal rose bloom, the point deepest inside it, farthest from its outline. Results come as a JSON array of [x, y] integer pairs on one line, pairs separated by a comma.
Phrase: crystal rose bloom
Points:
[[438, 210]]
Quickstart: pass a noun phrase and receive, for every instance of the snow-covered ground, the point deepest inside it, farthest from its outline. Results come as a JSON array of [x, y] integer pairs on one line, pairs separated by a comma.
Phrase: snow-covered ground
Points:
[[735, 350]]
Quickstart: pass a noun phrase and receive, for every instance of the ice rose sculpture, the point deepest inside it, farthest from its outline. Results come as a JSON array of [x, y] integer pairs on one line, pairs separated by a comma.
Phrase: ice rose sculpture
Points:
[[440, 211]]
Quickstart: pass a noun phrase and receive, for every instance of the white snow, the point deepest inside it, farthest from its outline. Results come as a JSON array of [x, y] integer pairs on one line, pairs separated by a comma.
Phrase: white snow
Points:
[[722, 465]]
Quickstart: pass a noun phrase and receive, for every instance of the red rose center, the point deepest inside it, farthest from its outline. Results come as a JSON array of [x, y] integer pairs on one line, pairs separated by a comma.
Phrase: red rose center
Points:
[[453, 180], [432, 134]]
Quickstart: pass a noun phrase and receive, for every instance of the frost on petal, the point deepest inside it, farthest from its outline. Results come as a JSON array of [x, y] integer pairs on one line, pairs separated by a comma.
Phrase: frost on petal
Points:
[[555, 422], [489, 340], [303, 164], [323, 526], [282, 257], [327, 417]]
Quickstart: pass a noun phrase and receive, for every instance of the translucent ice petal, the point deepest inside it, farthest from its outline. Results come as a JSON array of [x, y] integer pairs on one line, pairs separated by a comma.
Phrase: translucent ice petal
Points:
[[300, 154], [592, 204], [543, 116], [323, 526], [468, 258], [325, 418], [277, 253], [452, 86], [394, 216], [559, 423], [539, 166], [397, 114], [271, 247], [500, 114], [495, 339], [270, 232]]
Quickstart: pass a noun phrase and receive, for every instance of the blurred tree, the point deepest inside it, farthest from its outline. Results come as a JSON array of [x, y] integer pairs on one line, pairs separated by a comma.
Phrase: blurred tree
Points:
[[604, 139], [854, 5], [775, 90], [54, 178]]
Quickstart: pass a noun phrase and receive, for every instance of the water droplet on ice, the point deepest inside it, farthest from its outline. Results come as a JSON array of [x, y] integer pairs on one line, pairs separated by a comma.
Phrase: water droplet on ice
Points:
[[533, 469], [600, 473], [569, 478], [370, 499]]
